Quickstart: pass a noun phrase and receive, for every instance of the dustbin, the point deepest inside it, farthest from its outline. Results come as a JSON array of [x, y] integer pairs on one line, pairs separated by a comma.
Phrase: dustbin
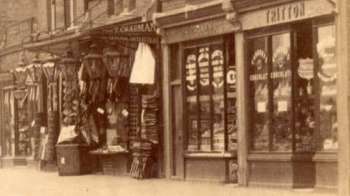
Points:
[[73, 159]]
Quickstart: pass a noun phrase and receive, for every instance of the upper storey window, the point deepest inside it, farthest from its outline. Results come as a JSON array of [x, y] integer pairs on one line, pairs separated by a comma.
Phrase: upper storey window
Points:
[[69, 12], [116, 7]]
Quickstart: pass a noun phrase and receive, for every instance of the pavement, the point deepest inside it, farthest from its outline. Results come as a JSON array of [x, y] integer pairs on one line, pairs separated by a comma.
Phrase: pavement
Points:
[[30, 182]]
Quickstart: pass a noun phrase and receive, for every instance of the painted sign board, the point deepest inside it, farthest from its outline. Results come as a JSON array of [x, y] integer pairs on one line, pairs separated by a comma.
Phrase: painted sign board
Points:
[[199, 30], [290, 12]]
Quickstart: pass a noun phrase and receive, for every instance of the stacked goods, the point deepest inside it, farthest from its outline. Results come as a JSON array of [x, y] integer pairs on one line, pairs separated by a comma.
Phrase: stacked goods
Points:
[[134, 115], [143, 150], [52, 136], [143, 159], [149, 125]]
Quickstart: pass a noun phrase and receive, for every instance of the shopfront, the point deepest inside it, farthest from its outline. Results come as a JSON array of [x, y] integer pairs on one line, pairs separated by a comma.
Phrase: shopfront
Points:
[[105, 87], [200, 94], [22, 103], [275, 113], [290, 82]]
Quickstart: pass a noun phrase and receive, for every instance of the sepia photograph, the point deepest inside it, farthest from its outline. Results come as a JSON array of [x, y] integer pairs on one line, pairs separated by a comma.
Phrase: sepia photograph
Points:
[[175, 97]]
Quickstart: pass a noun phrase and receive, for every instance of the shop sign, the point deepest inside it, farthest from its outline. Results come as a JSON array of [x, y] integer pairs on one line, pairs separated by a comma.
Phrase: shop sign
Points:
[[136, 38], [137, 32], [198, 30], [143, 27], [286, 13], [306, 68]]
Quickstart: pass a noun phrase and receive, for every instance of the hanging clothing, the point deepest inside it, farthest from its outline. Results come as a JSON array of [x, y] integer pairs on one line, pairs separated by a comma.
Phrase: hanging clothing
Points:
[[143, 70]]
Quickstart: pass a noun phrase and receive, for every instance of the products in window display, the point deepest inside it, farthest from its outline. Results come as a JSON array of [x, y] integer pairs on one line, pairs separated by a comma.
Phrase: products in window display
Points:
[[281, 82], [326, 52], [191, 72], [203, 63], [206, 108], [306, 71], [261, 136], [258, 78], [259, 59], [327, 74], [218, 69], [231, 78]]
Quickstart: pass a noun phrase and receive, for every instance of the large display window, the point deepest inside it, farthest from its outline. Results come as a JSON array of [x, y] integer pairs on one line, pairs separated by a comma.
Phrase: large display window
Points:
[[210, 96], [292, 89]]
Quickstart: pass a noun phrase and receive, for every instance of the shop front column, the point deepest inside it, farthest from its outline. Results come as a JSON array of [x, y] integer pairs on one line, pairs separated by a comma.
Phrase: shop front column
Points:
[[242, 110], [343, 99], [166, 111]]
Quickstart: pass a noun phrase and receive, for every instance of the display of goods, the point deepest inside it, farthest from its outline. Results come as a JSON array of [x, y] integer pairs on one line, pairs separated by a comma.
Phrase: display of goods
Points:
[[306, 68], [70, 106], [145, 138], [53, 126]]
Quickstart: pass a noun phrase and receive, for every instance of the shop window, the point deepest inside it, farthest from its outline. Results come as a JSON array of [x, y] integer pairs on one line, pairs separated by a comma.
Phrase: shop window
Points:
[[210, 97], [69, 12], [116, 7], [51, 10], [292, 86], [327, 76]]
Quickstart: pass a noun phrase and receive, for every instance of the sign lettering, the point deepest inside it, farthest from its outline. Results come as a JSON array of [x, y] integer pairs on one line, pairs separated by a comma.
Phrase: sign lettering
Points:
[[199, 30], [285, 13], [295, 11], [145, 27]]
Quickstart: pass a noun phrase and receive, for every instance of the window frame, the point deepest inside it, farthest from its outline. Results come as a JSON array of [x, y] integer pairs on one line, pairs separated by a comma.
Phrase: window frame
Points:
[[267, 33], [51, 15], [70, 14], [208, 42]]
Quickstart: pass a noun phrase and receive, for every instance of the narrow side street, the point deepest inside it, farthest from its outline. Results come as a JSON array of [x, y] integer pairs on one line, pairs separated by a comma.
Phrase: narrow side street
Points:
[[27, 182]]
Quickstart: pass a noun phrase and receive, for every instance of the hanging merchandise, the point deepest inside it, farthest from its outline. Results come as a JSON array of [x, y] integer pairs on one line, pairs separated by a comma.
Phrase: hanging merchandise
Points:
[[143, 70]]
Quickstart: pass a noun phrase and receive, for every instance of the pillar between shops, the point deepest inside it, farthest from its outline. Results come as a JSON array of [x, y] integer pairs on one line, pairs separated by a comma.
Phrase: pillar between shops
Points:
[[242, 110], [343, 98], [166, 112]]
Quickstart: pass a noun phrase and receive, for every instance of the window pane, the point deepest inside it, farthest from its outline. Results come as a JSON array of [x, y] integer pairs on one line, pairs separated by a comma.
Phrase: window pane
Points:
[[191, 98], [231, 107], [328, 90], [204, 99], [281, 76], [217, 62], [258, 83]]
